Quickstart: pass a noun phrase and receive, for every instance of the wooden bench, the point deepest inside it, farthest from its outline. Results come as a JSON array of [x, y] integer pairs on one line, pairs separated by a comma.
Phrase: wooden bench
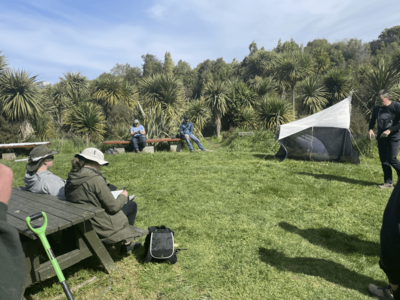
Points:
[[60, 215], [127, 142]]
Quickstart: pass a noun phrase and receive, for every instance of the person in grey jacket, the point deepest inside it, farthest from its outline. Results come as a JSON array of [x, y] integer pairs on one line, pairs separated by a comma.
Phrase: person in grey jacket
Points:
[[38, 178]]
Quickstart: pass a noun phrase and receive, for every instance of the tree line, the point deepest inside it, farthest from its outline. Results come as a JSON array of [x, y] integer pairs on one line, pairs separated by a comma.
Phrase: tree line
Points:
[[288, 82]]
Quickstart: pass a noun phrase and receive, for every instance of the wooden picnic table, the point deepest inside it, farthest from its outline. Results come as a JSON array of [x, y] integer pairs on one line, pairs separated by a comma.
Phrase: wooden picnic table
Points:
[[60, 215]]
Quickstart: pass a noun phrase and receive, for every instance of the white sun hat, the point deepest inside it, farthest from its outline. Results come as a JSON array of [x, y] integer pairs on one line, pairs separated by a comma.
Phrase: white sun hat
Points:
[[93, 154]]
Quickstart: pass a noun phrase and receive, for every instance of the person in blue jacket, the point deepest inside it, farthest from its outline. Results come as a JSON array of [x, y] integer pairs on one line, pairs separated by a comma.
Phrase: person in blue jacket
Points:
[[186, 130], [138, 136]]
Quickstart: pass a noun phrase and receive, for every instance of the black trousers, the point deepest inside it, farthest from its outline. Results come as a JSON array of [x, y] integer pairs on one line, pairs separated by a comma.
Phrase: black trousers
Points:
[[388, 150], [138, 142], [130, 211]]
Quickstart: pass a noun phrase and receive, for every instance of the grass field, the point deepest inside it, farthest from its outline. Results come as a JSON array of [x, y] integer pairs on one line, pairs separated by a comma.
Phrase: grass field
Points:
[[289, 230]]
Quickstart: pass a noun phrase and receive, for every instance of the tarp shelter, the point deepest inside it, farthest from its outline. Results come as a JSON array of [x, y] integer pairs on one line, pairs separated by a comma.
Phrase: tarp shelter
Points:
[[323, 136]]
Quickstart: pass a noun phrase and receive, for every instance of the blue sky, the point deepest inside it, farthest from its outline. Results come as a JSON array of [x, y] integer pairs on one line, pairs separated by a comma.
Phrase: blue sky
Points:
[[50, 38]]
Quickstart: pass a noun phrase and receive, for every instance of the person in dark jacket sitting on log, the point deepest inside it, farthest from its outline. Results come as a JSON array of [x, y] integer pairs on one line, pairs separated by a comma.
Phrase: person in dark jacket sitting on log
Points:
[[87, 185]]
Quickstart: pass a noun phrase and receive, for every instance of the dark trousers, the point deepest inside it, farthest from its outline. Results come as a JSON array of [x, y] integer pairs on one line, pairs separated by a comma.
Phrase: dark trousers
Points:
[[139, 142], [130, 211], [388, 150]]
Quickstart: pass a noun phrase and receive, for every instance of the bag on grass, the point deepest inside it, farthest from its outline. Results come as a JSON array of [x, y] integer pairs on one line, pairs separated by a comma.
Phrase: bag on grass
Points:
[[159, 245]]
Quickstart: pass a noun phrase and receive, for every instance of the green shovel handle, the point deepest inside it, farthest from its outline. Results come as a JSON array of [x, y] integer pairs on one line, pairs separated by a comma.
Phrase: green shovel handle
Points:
[[40, 230]]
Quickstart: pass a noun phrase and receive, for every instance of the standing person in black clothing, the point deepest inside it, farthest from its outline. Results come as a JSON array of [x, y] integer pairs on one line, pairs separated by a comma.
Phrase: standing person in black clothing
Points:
[[387, 114], [12, 258], [390, 250]]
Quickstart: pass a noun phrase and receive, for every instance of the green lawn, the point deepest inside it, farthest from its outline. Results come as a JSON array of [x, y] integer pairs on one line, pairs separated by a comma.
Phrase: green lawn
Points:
[[290, 230]]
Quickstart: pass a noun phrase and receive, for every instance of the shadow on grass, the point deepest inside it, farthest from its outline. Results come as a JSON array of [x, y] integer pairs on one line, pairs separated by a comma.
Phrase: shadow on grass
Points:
[[338, 178], [325, 269], [334, 240], [267, 157]]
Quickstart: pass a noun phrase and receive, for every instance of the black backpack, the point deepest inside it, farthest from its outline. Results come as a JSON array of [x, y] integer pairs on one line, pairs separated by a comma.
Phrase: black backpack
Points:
[[159, 245]]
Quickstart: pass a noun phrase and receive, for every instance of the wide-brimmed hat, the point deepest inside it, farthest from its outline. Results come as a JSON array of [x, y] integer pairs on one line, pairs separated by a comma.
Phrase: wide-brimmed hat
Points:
[[93, 154], [36, 157]]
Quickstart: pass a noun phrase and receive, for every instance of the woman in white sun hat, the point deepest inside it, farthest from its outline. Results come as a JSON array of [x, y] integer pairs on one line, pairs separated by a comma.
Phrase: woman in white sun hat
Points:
[[87, 185]]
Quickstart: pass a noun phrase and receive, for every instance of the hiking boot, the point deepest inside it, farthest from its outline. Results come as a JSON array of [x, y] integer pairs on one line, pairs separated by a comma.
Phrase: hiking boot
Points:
[[125, 249], [386, 186], [191, 150], [204, 150], [380, 293], [137, 151]]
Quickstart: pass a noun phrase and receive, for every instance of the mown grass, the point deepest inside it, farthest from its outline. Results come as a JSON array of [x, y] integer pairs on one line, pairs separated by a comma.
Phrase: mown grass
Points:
[[289, 230]]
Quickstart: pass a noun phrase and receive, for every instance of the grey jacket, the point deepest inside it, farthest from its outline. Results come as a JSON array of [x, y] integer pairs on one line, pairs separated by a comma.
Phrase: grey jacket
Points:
[[45, 182]]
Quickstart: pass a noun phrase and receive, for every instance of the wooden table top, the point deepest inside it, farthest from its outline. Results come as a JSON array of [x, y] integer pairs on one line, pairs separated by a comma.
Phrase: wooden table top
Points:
[[60, 214]]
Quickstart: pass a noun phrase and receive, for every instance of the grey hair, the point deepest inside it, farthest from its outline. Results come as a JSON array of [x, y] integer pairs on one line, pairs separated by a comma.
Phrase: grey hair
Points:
[[384, 93]]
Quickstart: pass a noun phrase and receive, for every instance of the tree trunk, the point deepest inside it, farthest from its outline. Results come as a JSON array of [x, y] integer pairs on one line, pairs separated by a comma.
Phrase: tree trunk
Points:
[[294, 113], [218, 122], [87, 139]]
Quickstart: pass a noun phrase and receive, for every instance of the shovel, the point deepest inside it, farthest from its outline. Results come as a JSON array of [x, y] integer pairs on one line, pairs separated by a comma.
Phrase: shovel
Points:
[[41, 233]]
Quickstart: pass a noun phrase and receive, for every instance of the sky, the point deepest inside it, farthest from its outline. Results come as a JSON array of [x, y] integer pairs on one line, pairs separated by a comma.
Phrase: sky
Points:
[[49, 38]]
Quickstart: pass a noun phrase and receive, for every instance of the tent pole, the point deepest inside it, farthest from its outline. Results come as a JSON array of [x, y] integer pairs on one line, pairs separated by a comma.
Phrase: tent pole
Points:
[[361, 154], [265, 156], [312, 140], [277, 127]]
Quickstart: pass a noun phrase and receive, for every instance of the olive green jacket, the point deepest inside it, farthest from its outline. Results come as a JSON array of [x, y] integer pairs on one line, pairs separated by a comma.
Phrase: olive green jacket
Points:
[[89, 186]]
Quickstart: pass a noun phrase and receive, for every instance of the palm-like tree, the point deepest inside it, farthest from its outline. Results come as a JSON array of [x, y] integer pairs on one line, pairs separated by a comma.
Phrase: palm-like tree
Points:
[[312, 95], [246, 118], [382, 77], [3, 63], [43, 126], [165, 92], [268, 110], [74, 86], [86, 118], [337, 84], [216, 94], [243, 95], [265, 86], [110, 90], [19, 96], [321, 60], [294, 67], [155, 123], [199, 114]]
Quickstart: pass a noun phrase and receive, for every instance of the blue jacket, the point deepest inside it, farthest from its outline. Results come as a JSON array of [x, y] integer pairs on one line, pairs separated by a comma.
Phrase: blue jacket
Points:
[[186, 128]]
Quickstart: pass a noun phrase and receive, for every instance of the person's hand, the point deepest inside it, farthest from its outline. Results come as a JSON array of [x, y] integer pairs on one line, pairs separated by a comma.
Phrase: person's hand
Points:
[[385, 133], [371, 133], [6, 179], [187, 135], [125, 193]]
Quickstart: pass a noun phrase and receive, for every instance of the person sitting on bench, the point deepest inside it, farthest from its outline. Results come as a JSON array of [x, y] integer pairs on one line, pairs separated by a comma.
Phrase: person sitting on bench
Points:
[[186, 130], [87, 185], [138, 136], [38, 178]]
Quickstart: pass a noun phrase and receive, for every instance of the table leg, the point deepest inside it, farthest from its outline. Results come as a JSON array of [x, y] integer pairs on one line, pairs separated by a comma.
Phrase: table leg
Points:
[[31, 250], [96, 246]]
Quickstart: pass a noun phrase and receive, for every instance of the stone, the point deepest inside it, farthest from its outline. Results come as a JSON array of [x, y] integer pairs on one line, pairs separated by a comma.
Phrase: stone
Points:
[[120, 150], [176, 148], [9, 156], [148, 149]]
